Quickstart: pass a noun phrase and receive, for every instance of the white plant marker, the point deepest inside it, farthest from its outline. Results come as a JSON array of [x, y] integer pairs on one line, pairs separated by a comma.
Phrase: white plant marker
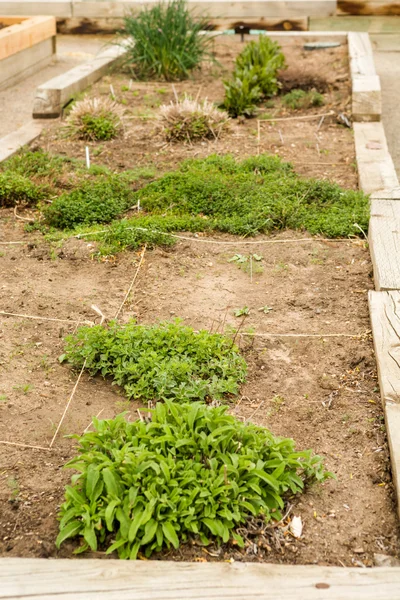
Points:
[[87, 157], [112, 90]]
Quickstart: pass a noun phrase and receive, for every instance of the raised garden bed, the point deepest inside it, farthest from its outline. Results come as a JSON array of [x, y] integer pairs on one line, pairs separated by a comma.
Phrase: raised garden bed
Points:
[[27, 44], [311, 375]]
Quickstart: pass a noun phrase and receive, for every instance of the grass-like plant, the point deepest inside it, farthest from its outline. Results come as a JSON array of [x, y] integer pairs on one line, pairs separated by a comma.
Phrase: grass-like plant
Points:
[[297, 99], [189, 120], [94, 119], [192, 471], [164, 42], [159, 362], [255, 76]]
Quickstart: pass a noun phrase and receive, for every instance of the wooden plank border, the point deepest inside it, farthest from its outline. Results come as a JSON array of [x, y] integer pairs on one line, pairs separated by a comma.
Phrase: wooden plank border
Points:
[[366, 88], [53, 95], [11, 143], [20, 36], [96, 579]]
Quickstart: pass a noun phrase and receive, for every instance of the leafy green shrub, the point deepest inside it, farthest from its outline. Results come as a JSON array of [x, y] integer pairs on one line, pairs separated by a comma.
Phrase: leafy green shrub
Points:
[[17, 189], [190, 471], [94, 119], [92, 202], [164, 42], [296, 99], [241, 95], [159, 362], [255, 76]]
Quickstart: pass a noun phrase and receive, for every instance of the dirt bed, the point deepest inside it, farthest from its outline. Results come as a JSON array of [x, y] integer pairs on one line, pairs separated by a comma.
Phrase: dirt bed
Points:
[[317, 148], [303, 383]]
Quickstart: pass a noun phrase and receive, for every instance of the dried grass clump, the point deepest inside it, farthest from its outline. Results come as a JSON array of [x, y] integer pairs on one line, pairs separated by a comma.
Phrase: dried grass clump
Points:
[[94, 119], [192, 120]]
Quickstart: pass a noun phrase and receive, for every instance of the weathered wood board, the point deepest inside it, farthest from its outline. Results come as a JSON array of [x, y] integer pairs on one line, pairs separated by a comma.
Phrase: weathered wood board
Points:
[[385, 321], [368, 7], [27, 33], [56, 8], [376, 170], [367, 24], [96, 579], [384, 243], [54, 94], [392, 420], [12, 142], [16, 67]]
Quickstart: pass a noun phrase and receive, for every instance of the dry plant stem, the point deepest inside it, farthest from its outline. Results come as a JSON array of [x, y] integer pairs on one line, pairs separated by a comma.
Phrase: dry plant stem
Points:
[[132, 282], [67, 405], [11, 243], [306, 335], [91, 422], [9, 314], [302, 118], [24, 445], [21, 218], [254, 411], [227, 243]]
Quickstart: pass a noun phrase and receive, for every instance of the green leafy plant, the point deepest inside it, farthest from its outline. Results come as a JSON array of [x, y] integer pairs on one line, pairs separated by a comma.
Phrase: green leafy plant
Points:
[[98, 202], [189, 120], [297, 98], [248, 263], [255, 77], [18, 189], [240, 312], [159, 362], [164, 42], [241, 95], [189, 471], [94, 119]]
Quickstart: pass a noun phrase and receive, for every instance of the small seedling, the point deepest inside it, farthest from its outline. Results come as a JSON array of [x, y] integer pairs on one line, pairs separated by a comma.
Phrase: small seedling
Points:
[[3, 398], [248, 263], [239, 312], [24, 388], [265, 309]]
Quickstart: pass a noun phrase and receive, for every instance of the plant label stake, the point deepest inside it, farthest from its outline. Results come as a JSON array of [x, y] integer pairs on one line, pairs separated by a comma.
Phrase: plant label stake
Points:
[[87, 157]]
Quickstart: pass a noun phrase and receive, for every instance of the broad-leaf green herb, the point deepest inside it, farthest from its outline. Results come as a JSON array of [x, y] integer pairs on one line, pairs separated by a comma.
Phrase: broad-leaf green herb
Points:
[[190, 471], [160, 362]]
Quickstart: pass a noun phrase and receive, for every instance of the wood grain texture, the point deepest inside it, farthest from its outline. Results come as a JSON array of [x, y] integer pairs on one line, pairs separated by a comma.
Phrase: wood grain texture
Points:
[[392, 420], [12, 142], [348, 23], [282, 9], [25, 34], [18, 66], [54, 94], [384, 309], [96, 579], [368, 7], [55, 8], [375, 166], [384, 243]]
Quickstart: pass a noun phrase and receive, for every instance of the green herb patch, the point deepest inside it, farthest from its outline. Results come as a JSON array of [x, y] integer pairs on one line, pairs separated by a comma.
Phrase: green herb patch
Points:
[[18, 189], [98, 202], [259, 194], [297, 99], [255, 77], [159, 362], [190, 471]]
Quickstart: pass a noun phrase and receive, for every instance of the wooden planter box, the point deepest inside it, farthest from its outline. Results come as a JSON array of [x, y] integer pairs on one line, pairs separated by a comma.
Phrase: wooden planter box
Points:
[[27, 44]]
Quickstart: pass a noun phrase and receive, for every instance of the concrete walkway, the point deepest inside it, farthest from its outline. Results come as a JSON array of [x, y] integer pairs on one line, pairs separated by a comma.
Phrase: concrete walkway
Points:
[[16, 102], [387, 65]]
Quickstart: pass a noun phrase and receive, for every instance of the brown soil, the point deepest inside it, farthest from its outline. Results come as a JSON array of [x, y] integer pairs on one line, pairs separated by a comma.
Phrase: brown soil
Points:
[[321, 149], [322, 391]]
